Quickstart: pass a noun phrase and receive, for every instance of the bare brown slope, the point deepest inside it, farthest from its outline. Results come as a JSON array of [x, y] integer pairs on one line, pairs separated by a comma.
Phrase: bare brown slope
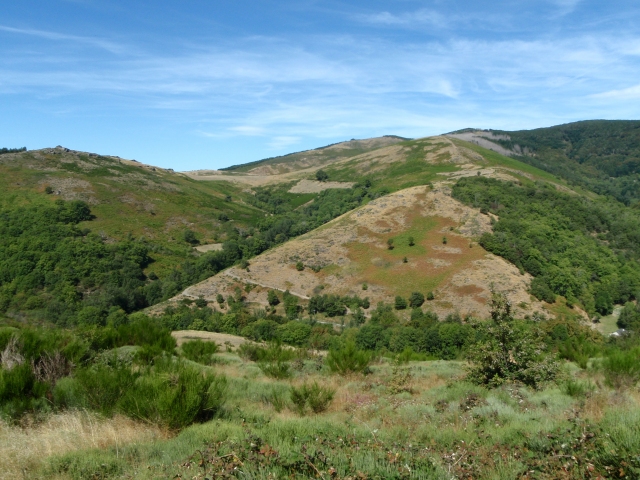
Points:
[[352, 250]]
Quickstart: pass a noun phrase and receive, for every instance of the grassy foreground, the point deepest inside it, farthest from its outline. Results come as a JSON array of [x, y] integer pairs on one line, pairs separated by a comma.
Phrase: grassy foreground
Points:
[[413, 420]]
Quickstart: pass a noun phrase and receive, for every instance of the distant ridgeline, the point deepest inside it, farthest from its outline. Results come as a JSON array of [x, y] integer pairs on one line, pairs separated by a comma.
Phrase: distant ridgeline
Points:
[[12, 150], [601, 155], [295, 155]]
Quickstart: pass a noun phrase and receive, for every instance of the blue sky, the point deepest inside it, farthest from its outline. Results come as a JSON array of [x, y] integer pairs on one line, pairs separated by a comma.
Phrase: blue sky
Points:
[[205, 84]]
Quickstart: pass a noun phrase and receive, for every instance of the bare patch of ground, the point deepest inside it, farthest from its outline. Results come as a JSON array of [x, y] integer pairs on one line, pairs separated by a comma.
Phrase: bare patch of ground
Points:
[[211, 247], [71, 189], [484, 139], [221, 339], [312, 186]]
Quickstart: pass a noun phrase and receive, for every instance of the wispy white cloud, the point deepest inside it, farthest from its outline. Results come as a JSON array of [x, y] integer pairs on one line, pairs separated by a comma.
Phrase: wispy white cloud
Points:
[[420, 17], [564, 7], [279, 92], [107, 45], [623, 94], [279, 142]]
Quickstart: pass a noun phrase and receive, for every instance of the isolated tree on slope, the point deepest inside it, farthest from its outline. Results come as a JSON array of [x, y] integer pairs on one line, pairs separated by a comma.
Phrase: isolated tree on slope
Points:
[[322, 176], [509, 350]]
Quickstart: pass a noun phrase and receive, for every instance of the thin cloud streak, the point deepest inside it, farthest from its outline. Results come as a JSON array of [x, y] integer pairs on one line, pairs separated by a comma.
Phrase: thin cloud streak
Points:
[[95, 42]]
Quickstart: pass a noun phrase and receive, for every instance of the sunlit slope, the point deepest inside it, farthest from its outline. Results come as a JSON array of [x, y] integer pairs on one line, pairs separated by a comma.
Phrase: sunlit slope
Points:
[[351, 254], [314, 158], [125, 196], [391, 167]]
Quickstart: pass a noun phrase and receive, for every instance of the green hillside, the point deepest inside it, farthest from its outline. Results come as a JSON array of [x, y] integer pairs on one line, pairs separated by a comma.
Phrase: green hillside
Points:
[[601, 155]]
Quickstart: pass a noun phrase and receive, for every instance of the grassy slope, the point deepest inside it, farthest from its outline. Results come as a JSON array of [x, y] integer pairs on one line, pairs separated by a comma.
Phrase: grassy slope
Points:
[[419, 421], [321, 156], [129, 199]]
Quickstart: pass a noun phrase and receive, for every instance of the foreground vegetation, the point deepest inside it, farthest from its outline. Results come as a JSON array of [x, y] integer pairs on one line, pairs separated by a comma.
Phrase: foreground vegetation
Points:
[[513, 412]]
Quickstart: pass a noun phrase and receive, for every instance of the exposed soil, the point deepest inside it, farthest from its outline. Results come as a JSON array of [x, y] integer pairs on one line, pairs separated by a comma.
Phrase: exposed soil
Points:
[[312, 186], [211, 247], [221, 339], [352, 250]]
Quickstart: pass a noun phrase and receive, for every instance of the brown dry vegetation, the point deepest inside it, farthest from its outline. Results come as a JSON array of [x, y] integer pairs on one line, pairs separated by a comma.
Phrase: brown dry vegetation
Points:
[[352, 250], [24, 448]]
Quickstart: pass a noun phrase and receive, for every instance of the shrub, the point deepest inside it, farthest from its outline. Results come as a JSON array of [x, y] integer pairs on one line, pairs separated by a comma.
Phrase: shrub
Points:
[[411, 241], [199, 351], [509, 351], [313, 396], [299, 266], [416, 300], [174, 395], [294, 333], [104, 384], [322, 176], [275, 398], [576, 389], [272, 298], [390, 244], [622, 368], [400, 303], [275, 369], [190, 237], [348, 359], [430, 296]]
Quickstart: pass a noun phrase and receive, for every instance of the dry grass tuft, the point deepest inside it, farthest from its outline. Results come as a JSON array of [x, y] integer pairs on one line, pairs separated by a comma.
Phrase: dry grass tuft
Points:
[[24, 448]]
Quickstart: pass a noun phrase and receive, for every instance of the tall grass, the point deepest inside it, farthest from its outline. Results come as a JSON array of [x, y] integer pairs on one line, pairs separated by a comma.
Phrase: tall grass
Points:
[[24, 449]]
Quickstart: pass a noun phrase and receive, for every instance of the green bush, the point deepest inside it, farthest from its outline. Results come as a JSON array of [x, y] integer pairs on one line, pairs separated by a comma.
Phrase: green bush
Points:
[[294, 333], [174, 395], [276, 398], [275, 369], [314, 397], [576, 388], [509, 351], [622, 368], [272, 298], [104, 384], [348, 359], [416, 300], [199, 351], [68, 393]]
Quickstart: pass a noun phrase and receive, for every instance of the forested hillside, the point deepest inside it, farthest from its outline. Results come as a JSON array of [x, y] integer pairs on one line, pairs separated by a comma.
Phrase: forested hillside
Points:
[[585, 250], [601, 155]]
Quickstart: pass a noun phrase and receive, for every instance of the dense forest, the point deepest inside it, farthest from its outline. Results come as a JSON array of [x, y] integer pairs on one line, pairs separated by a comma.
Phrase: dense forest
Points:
[[600, 155], [585, 250]]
